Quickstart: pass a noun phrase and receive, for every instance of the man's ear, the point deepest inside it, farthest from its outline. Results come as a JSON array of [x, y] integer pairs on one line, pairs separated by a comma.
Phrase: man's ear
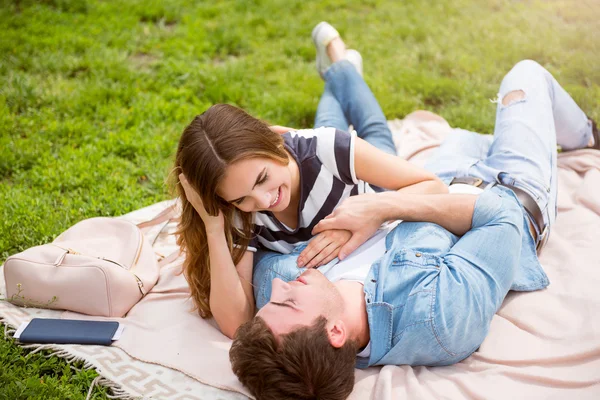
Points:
[[336, 332]]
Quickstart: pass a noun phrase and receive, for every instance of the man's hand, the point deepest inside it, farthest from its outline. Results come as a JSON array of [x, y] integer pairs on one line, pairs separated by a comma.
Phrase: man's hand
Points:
[[357, 214], [323, 248], [211, 224]]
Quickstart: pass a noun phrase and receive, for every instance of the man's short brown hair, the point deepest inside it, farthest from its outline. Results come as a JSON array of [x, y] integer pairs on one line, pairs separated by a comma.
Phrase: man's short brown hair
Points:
[[301, 365]]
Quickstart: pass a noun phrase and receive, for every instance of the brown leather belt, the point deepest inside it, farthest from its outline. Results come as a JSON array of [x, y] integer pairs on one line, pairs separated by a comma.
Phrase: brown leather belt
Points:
[[537, 227]]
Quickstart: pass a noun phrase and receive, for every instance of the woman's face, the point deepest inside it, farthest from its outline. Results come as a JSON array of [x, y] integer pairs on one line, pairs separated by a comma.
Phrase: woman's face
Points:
[[257, 184]]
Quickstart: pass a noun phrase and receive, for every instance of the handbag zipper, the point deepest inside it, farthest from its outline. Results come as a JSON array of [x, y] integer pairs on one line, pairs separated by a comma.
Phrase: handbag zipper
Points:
[[140, 284], [139, 249]]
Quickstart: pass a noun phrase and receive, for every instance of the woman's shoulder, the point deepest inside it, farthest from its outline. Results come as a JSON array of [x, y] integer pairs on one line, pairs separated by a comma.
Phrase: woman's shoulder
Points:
[[303, 143], [325, 136], [330, 145]]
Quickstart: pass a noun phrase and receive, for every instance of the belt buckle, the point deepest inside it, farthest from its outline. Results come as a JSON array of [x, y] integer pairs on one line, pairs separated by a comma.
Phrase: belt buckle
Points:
[[543, 238], [467, 180]]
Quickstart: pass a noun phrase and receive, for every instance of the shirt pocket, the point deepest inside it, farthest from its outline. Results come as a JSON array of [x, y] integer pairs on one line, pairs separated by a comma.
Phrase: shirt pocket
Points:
[[409, 273]]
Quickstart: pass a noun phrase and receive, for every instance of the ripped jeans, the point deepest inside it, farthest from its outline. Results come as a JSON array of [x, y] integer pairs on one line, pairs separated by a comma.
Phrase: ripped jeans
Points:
[[522, 151]]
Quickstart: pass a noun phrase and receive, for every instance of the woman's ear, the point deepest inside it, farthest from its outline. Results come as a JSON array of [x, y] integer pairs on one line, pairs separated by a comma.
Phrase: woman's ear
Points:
[[336, 333]]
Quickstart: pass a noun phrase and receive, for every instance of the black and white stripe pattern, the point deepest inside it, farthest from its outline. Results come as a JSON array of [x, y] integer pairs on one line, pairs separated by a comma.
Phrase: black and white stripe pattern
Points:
[[325, 157]]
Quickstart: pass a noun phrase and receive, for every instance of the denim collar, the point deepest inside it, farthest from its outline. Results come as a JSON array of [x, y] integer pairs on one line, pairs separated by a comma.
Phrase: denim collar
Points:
[[379, 314]]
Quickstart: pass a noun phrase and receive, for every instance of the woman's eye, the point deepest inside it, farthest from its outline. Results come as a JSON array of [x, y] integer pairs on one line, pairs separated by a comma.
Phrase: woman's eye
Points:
[[290, 301], [263, 179]]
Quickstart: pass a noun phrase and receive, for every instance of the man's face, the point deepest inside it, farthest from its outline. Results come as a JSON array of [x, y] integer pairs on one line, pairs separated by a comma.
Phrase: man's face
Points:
[[300, 302]]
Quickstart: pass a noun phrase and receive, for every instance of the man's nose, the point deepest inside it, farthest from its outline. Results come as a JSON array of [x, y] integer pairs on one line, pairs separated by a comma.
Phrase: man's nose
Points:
[[279, 287]]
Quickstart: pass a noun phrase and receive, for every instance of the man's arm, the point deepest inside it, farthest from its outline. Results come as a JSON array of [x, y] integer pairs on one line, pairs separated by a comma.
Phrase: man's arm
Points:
[[479, 271], [453, 212], [360, 214]]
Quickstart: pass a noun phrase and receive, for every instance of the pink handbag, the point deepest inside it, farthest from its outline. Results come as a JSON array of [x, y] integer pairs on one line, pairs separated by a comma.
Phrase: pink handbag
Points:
[[99, 266]]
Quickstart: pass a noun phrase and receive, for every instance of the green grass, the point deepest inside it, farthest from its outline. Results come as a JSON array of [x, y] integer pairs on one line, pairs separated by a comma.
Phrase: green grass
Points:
[[94, 94], [24, 376]]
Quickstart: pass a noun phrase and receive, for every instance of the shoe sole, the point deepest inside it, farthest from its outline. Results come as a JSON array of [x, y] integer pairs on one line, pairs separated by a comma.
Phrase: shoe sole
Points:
[[321, 49]]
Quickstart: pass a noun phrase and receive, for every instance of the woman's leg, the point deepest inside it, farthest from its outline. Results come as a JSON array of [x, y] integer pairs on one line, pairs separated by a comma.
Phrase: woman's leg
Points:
[[359, 105], [330, 113], [347, 99]]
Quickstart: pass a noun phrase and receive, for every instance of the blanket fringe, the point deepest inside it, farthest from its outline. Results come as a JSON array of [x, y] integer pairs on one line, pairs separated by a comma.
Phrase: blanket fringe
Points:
[[8, 330], [117, 392]]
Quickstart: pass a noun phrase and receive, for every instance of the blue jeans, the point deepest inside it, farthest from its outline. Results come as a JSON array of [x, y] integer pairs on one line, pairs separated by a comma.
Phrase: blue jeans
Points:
[[522, 151], [347, 100]]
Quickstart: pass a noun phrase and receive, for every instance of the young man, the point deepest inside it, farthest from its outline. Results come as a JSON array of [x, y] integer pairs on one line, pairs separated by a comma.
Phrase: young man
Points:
[[419, 293]]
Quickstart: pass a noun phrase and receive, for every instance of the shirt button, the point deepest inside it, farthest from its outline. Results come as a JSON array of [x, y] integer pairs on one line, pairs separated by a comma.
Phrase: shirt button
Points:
[[374, 280], [418, 254]]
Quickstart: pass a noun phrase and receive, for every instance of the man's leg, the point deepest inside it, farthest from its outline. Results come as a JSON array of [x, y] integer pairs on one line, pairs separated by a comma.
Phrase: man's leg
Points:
[[457, 153], [358, 105], [534, 113]]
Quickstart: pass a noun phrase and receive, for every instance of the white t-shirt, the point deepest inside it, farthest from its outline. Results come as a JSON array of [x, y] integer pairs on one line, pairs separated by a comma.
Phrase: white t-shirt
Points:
[[464, 188], [356, 266]]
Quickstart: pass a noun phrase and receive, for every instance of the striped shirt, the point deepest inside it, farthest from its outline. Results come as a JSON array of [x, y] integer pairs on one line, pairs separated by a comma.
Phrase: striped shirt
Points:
[[325, 158]]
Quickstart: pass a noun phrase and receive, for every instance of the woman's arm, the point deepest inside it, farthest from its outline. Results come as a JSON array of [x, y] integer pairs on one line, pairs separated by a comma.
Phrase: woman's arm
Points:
[[280, 129], [392, 172], [231, 297]]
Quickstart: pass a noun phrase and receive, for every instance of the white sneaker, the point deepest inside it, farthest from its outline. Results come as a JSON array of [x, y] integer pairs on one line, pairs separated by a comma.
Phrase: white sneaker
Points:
[[322, 35], [355, 59]]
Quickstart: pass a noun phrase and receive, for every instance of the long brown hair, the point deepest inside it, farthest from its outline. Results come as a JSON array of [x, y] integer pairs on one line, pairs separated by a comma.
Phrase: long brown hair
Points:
[[219, 137]]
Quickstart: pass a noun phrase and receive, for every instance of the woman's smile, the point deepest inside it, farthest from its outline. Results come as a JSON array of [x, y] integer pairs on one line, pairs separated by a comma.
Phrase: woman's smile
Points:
[[277, 199], [257, 184]]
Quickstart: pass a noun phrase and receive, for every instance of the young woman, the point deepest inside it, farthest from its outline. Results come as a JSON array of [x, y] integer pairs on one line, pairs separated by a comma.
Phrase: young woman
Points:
[[244, 184]]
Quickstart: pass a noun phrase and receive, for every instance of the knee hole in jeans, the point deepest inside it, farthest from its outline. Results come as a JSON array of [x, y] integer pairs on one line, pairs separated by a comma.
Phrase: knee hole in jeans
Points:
[[512, 97]]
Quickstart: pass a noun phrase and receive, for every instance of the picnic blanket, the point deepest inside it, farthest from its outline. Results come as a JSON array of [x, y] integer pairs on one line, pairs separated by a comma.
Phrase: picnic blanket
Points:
[[541, 345]]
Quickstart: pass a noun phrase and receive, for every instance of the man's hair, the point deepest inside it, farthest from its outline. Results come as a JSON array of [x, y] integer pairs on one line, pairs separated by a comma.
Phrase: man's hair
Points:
[[301, 365]]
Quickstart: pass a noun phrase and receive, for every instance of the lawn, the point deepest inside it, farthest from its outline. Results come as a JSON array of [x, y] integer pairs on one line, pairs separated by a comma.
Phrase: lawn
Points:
[[94, 95]]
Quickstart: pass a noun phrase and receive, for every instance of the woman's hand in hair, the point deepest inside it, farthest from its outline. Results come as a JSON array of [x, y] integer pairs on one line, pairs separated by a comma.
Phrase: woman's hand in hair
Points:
[[323, 248], [211, 223]]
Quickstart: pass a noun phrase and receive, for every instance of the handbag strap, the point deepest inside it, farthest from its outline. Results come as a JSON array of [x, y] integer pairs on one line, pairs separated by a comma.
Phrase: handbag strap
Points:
[[168, 214], [169, 259]]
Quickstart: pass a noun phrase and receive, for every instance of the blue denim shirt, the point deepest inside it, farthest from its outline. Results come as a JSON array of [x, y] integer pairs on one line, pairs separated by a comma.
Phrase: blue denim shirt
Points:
[[431, 297]]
